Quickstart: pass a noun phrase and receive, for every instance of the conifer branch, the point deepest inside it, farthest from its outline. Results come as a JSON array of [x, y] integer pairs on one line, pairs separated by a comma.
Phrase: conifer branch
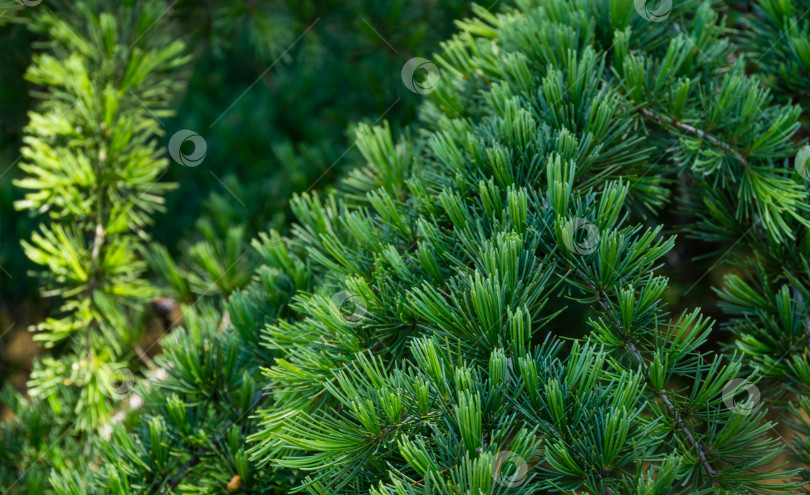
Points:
[[607, 307], [518, 191], [675, 415], [649, 114]]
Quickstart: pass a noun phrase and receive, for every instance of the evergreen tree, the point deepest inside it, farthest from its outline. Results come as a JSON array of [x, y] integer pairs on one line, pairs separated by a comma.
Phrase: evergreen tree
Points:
[[484, 305], [100, 363], [92, 165], [419, 353], [276, 123]]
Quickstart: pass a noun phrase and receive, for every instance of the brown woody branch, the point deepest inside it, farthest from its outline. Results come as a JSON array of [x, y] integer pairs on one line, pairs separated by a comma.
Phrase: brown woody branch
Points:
[[649, 114]]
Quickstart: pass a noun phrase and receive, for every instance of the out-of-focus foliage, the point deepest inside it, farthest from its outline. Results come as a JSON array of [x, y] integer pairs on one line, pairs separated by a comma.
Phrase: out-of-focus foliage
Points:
[[276, 88], [89, 171]]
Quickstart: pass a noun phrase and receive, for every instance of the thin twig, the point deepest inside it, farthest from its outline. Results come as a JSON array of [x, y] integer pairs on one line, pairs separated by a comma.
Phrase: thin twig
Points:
[[603, 298], [697, 132], [674, 411]]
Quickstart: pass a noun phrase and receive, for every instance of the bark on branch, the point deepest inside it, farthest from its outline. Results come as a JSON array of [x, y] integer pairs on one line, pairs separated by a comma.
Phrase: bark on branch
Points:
[[649, 114]]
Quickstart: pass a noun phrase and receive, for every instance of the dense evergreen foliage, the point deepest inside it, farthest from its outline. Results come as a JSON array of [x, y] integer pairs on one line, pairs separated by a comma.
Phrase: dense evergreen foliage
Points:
[[492, 299]]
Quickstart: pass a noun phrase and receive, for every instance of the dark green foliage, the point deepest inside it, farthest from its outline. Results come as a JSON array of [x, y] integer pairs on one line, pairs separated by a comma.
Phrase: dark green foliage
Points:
[[16, 41], [483, 303], [276, 122], [96, 269], [774, 35]]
